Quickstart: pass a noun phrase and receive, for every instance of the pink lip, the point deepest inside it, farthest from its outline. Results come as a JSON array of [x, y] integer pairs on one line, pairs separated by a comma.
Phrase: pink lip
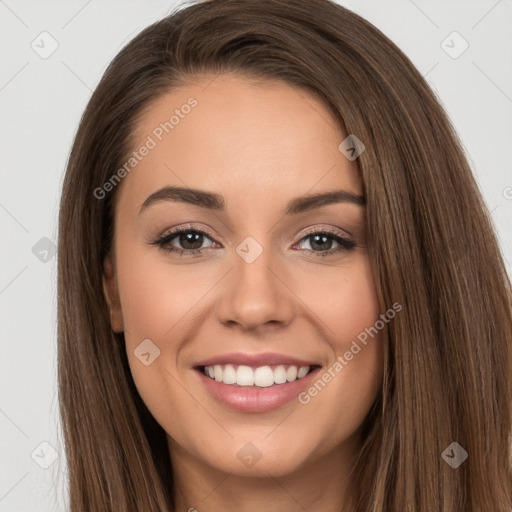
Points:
[[254, 399], [265, 358]]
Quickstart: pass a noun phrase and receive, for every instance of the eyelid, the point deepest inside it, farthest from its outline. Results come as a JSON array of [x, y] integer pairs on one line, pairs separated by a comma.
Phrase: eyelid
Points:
[[187, 227], [326, 229]]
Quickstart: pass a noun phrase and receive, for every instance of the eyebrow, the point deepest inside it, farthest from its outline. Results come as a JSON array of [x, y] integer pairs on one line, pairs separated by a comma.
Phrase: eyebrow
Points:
[[213, 201]]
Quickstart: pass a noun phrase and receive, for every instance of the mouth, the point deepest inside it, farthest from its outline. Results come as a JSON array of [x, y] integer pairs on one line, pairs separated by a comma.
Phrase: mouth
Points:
[[256, 388]]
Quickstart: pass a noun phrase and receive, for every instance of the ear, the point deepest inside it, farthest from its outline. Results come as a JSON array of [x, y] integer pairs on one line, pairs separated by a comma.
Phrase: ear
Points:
[[111, 291]]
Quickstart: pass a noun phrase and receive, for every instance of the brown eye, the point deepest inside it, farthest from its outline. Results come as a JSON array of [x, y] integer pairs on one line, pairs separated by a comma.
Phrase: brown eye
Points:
[[321, 243], [190, 240], [183, 241]]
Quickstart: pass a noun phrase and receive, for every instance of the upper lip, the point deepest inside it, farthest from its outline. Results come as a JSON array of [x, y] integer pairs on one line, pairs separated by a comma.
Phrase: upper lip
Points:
[[262, 359]]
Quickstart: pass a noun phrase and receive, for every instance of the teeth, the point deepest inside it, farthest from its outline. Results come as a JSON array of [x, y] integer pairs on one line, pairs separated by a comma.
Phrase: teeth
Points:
[[262, 376], [291, 373], [229, 375], [302, 372], [244, 375], [280, 375], [217, 373]]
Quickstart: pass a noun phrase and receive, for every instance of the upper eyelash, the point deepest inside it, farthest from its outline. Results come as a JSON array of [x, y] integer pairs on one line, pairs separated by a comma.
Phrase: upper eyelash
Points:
[[162, 241]]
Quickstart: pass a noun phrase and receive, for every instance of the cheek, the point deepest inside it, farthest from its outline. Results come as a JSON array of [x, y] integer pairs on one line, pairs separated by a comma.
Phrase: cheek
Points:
[[344, 391], [358, 305], [156, 296], [158, 303], [344, 300]]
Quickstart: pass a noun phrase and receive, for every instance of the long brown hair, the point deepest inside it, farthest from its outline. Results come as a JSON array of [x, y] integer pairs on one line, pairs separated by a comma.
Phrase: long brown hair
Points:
[[431, 242]]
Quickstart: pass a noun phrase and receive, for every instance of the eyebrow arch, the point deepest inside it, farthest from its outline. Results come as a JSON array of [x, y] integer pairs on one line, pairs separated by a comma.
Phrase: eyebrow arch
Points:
[[213, 201]]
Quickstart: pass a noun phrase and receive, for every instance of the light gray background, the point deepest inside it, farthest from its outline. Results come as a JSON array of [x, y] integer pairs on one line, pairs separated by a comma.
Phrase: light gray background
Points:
[[41, 101]]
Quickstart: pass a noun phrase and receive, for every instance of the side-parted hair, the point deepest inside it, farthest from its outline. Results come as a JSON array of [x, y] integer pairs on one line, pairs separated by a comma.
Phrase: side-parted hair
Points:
[[432, 245]]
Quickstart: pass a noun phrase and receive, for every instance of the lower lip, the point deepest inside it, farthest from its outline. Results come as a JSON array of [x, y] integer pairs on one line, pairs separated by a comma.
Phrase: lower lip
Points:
[[256, 399]]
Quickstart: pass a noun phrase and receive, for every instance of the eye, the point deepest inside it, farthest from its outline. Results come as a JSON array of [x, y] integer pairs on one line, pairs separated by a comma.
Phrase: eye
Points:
[[320, 243], [191, 241]]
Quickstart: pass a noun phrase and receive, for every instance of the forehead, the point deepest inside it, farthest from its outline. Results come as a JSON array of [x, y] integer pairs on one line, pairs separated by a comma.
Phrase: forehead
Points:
[[248, 141]]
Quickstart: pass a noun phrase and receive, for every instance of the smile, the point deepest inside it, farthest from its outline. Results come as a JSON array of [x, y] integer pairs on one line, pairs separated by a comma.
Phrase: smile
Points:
[[261, 376], [256, 382]]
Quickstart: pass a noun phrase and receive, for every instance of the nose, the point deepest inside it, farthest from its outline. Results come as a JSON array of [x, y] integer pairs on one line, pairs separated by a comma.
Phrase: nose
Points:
[[256, 294]]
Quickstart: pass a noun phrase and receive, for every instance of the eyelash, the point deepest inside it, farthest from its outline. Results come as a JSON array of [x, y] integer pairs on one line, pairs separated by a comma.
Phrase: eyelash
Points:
[[163, 242]]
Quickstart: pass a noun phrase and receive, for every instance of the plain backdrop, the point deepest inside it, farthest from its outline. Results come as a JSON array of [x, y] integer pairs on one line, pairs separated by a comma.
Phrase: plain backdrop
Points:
[[42, 98]]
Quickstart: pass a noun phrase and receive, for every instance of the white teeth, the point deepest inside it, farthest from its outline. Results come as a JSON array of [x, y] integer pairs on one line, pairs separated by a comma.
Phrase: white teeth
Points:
[[291, 373], [280, 375], [302, 372], [217, 373], [244, 375], [229, 375], [262, 376]]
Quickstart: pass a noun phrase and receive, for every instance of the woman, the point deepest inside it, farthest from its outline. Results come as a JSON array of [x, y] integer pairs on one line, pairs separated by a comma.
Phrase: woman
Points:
[[337, 334]]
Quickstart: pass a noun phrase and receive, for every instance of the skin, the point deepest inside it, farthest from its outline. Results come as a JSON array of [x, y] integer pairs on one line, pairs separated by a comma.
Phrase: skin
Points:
[[259, 145]]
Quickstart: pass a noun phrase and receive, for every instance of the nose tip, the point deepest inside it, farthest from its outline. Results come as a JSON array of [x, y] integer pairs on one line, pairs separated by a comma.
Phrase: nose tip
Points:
[[255, 295]]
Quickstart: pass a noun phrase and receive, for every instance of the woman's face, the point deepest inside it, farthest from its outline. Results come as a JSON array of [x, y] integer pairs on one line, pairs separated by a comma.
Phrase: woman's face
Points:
[[269, 293]]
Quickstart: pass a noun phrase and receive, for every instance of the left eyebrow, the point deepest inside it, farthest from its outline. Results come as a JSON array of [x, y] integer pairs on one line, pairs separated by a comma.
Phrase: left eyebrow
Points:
[[213, 201], [306, 203]]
